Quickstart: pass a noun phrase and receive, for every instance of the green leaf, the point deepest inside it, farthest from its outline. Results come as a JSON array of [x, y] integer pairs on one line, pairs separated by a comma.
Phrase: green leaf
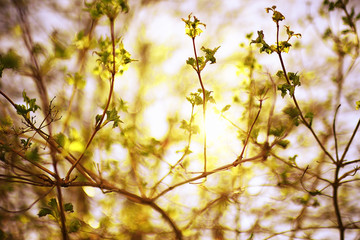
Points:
[[192, 28], [33, 154], [97, 119], [192, 62], [45, 211], [68, 207], [26, 143], [292, 160], [112, 116], [293, 114], [189, 127], [74, 225], [53, 203], [314, 193], [60, 139], [283, 143], [30, 106], [10, 60], [123, 105], [277, 131], [227, 107], [294, 78], [208, 97], [195, 98], [265, 47], [209, 54], [357, 107], [310, 116], [76, 79], [284, 88]]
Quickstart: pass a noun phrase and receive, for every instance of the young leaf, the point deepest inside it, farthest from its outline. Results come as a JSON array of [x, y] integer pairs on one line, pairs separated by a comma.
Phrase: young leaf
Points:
[[209, 54], [283, 143], [33, 154], [112, 116], [260, 40], [10, 60], [227, 107], [68, 207], [294, 78], [53, 203], [45, 211], [208, 97], [357, 107], [60, 139], [277, 16], [192, 28], [309, 116], [74, 225]]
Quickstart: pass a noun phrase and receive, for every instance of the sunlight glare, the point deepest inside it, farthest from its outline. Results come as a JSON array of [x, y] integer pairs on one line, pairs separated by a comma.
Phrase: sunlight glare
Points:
[[216, 127]]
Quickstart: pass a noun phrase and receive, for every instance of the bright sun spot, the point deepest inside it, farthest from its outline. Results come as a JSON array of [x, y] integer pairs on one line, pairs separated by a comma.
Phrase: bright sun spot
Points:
[[216, 126]]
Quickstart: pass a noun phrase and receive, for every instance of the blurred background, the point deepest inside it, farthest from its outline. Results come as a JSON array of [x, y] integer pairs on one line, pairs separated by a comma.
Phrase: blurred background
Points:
[[257, 201]]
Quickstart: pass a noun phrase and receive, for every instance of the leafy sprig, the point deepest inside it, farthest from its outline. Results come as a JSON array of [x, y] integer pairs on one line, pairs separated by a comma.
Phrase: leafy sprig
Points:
[[280, 46], [192, 28], [30, 106]]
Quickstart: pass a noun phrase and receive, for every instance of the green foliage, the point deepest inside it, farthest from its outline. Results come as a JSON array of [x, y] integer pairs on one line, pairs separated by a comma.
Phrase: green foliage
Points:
[[74, 226], [127, 183], [288, 88], [30, 106], [110, 8], [52, 209], [189, 127], [105, 60], [9, 60], [111, 116], [76, 79], [60, 139], [277, 16], [226, 108], [33, 154], [196, 98], [293, 113], [310, 117], [192, 28], [201, 61], [280, 46]]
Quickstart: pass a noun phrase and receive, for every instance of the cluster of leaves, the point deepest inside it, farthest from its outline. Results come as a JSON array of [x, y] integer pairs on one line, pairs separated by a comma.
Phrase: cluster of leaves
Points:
[[111, 116], [52, 209], [196, 99], [288, 88], [110, 8], [136, 177], [30, 106], [105, 60], [9, 60], [192, 28], [202, 61], [280, 46]]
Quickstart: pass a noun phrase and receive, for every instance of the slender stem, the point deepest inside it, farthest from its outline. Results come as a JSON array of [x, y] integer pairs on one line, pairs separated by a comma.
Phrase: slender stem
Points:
[[336, 203], [198, 71], [248, 135], [98, 126], [335, 135], [350, 141], [295, 101], [205, 174]]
